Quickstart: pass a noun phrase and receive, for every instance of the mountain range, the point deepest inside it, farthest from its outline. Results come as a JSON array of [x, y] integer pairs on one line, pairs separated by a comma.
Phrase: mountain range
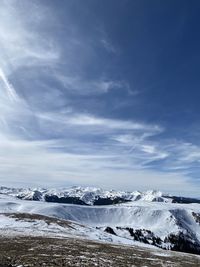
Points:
[[149, 218]]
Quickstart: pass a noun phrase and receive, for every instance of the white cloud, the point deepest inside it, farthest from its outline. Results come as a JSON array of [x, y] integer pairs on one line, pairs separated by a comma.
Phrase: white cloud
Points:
[[11, 93], [87, 120], [20, 161], [83, 86], [21, 40]]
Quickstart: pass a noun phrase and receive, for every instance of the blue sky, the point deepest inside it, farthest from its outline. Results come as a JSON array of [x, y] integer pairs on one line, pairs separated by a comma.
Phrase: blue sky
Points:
[[100, 93]]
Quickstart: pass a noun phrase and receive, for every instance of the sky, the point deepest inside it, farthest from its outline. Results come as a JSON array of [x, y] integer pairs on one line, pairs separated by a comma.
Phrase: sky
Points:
[[100, 93]]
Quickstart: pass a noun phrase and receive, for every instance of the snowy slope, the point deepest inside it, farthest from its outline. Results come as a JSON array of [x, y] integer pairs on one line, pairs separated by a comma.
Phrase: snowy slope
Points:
[[161, 219], [163, 224], [13, 225]]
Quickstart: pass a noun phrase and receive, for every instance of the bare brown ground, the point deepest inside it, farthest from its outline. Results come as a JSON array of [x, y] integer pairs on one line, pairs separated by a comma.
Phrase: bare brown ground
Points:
[[40, 251], [44, 251]]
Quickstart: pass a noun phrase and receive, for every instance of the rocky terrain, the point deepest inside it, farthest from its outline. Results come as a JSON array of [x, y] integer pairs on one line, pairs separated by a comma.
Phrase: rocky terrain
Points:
[[42, 251]]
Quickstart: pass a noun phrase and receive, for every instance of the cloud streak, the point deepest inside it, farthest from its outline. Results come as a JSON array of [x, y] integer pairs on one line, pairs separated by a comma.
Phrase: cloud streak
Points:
[[9, 88]]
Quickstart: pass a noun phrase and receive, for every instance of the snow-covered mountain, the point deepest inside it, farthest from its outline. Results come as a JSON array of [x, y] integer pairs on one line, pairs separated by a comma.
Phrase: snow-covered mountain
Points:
[[147, 217], [84, 195]]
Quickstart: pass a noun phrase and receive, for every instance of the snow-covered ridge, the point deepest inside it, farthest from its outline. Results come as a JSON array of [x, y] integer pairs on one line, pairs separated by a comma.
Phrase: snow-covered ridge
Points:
[[84, 195], [165, 225]]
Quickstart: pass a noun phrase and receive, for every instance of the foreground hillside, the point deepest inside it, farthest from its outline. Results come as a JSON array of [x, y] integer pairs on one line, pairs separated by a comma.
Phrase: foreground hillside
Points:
[[26, 250], [42, 251]]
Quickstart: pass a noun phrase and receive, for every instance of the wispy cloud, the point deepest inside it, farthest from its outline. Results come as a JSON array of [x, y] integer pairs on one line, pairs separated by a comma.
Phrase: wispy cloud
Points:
[[45, 137], [23, 160], [11, 93], [82, 86], [22, 40], [108, 46]]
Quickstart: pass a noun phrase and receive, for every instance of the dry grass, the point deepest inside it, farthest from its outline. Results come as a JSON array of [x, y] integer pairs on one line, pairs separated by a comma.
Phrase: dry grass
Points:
[[40, 251], [43, 251]]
